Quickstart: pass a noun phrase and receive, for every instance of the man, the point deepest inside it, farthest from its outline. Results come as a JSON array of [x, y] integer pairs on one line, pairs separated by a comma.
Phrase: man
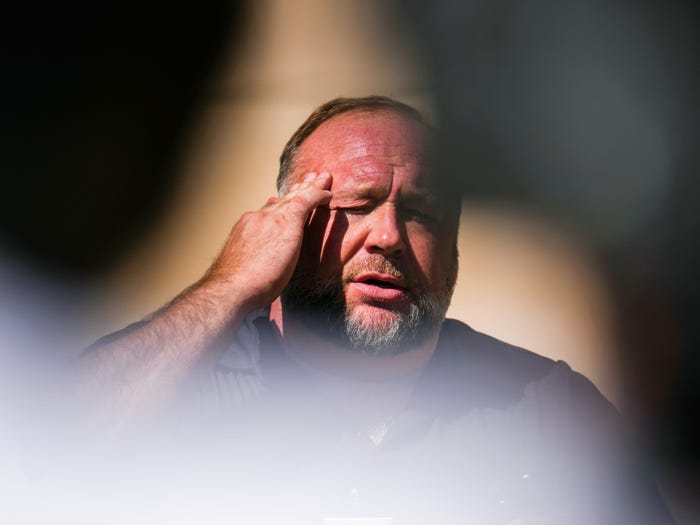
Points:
[[318, 341], [370, 265]]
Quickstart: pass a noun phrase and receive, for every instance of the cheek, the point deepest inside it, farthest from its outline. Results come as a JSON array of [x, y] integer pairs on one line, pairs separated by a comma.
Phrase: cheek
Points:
[[433, 252], [313, 241], [335, 242]]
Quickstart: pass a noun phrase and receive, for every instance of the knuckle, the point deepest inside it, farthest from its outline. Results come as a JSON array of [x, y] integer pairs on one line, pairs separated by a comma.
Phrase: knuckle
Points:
[[298, 202], [246, 217]]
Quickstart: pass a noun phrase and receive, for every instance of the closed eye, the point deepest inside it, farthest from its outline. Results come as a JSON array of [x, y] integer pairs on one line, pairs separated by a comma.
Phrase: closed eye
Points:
[[354, 210], [419, 215]]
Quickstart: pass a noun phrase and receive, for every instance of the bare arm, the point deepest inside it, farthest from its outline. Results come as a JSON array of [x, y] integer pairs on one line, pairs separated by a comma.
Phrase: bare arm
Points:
[[142, 368]]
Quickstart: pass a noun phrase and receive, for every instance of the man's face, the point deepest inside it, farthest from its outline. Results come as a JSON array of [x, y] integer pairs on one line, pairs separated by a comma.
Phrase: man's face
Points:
[[378, 264]]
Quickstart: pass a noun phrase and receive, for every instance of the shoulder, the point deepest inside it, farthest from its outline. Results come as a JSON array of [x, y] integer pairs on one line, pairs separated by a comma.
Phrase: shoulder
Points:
[[575, 431], [464, 345], [489, 373]]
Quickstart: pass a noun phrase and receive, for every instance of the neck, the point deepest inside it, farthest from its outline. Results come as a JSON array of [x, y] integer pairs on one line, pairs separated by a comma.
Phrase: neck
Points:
[[334, 359], [375, 385]]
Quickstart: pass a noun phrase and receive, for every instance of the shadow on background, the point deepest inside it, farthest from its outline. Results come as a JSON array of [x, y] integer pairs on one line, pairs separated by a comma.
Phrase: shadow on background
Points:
[[96, 105], [587, 112]]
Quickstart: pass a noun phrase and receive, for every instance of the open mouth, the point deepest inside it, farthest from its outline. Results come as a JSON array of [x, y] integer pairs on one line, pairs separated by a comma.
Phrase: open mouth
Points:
[[381, 279], [382, 284], [376, 286]]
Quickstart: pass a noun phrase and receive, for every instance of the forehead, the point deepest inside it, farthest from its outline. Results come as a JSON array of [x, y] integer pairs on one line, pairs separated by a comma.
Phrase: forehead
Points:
[[366, 149]]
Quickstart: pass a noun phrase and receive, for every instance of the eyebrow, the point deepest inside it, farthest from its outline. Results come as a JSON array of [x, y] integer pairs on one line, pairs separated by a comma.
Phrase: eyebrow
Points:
[[342, 201], [360, 191], [422, 195], [417, 196]]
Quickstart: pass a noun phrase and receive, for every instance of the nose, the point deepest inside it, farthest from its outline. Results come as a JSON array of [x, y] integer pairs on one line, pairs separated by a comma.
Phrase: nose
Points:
[[385, 235]]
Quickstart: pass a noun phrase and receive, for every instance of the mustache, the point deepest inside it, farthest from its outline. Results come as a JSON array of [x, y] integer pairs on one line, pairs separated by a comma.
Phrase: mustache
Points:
[[380, 264]]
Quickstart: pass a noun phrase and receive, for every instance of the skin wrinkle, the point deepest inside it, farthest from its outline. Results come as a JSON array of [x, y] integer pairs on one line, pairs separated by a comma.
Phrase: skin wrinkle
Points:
[[378, 170], [361, 187], [178, 345]]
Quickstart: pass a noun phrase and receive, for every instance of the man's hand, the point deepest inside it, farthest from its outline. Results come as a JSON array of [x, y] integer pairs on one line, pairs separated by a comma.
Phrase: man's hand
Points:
[[262, 250], [143, 367]]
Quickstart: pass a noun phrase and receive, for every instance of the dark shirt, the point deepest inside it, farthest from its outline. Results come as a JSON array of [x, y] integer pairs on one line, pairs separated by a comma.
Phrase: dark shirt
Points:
[[492, 434]]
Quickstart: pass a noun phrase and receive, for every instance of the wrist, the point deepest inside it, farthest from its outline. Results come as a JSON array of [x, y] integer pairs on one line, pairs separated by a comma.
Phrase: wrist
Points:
[[229, 297]]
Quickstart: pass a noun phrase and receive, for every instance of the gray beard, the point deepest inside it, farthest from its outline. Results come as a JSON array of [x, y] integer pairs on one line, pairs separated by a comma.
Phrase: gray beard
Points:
[[321, 306]]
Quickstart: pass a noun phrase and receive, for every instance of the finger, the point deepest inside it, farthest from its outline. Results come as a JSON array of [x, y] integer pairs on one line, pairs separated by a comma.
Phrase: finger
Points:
[[311, 180], [305, 196], [305, 200], [304, 182], [323, 180], [320, 189]]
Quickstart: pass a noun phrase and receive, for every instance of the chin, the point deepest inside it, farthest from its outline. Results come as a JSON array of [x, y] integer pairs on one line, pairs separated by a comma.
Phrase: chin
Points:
[[374, 318], [378, 331]]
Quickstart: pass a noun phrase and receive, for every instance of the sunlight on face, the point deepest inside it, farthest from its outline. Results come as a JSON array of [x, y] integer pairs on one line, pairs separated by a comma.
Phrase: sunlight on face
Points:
[[378, 265]]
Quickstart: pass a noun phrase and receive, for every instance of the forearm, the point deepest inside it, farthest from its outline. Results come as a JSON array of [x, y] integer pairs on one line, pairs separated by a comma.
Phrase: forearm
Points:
[[145, 368]]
